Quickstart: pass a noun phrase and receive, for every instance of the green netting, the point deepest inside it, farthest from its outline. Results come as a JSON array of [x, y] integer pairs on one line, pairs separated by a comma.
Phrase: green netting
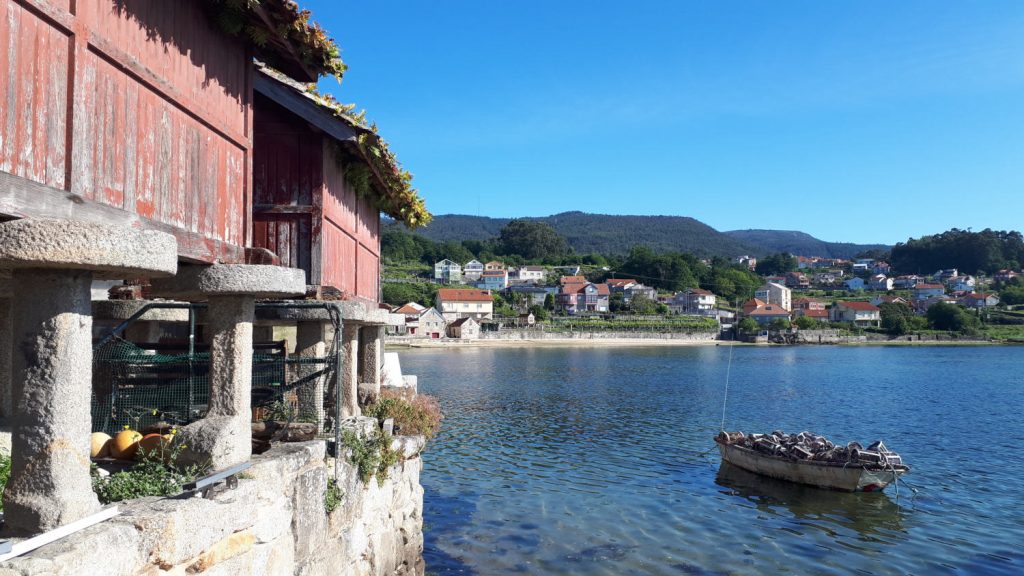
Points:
[[136, 387]]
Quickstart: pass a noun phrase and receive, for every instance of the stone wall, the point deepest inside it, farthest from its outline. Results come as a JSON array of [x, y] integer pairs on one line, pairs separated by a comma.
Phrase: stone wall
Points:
[[274, 523]]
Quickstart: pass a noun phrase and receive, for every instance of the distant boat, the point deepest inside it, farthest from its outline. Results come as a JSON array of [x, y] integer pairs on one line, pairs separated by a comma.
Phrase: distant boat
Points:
[[870, 472]]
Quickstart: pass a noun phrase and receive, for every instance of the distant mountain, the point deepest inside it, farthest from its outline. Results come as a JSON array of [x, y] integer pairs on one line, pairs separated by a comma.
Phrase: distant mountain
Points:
[[800, 243], [613, 234]]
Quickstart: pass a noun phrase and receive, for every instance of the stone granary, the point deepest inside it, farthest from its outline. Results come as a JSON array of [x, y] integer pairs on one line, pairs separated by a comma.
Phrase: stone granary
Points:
[[156, 142]]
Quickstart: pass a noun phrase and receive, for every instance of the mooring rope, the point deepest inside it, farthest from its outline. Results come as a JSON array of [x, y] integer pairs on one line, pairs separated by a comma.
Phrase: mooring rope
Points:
[[725, 396]]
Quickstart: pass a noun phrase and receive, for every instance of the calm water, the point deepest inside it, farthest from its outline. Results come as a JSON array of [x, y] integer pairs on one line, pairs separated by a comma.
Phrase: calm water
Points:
[[575, 461]]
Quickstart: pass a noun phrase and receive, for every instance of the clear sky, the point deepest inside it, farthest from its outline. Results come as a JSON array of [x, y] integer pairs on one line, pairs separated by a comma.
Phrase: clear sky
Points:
[[860, 121]]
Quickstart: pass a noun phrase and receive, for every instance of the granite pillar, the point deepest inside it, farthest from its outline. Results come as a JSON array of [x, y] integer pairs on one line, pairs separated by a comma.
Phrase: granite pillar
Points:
[[350, 370], [311, 342]]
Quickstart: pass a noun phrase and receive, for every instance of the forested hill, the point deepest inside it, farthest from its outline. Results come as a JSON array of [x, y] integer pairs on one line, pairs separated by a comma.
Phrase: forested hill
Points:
[[610, 234], [800, 243]]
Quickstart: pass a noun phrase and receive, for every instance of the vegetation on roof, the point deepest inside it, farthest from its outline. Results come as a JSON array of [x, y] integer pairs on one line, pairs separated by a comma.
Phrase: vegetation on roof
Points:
[[287, 26]]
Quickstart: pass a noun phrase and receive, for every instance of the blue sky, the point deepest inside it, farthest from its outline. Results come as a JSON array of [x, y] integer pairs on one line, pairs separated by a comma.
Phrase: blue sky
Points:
[[867, 121]]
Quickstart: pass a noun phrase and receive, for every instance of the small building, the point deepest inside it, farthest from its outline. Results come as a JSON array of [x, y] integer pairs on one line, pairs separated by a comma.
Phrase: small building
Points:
[[751, 305], [854, 284], [768, 313], [639, 290], [906, 282], [575, 297], [964, 283], [472, 270], [698, 302], [455, 303], [527, 319], [926, 291], [531, 274], [447, 272], [922, 306], [464, 329], [749, 261], [863, 314], [797, 280], [979, 300], [810, 308], [775, 293], [1005, 275], [493, 280], [946, 274], [881, 282], [535, 295], [618, 285], [494, 265], [431, 324], [889, 299]]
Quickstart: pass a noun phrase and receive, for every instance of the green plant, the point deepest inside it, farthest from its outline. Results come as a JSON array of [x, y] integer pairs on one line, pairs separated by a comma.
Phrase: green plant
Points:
[[157, 474], [333, 496], [5, 474], [420, 415], [371, 456]]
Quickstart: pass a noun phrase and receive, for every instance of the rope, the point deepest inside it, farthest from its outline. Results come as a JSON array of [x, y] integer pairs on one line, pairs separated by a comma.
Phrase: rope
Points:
[[725, 397]]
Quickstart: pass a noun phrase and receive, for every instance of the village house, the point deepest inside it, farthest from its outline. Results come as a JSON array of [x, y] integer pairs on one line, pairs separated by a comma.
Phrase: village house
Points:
[[810, 308], [797, 280], [472, 270], [826, 278], [962, 283], [531, 275], [527, 319], [619, 285], [881, 267], [880, 282], [750, 261], [464, 329], [925, 291], [906, 282], [493, 280], [494, 265], [775, 293], [410, 313], [863, 314], [577, 296], [447, 272], [535, 295], [1004, 275], [431, 324], [695, 302], [751, 305], [979, 300], [639, 290], [889, 299], [946, 274], [921, 306], [455, 303], [768, 313], [854, 284]]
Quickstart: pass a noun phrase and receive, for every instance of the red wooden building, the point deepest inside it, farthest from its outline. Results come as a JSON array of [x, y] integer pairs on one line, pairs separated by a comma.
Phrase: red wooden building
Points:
[[152, 113]]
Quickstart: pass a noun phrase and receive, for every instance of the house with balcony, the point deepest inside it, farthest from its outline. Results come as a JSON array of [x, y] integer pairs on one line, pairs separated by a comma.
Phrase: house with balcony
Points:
[[493, 280], [639, 290], [963, 283], [447, 272], [694, 302], [797, 280], [906, 282], [775, 293], [472, 270], [455, 303], [582, 297], [494, 265], [863, 314]]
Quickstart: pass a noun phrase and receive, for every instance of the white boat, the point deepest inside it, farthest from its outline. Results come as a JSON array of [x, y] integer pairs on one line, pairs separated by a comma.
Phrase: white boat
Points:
[[843, 476]]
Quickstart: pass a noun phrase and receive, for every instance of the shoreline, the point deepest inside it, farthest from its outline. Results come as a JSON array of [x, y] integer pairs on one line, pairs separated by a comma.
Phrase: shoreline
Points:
[[659, 343]]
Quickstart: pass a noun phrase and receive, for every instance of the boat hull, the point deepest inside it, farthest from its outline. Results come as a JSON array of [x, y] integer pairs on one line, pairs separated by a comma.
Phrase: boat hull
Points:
[[822, 475]]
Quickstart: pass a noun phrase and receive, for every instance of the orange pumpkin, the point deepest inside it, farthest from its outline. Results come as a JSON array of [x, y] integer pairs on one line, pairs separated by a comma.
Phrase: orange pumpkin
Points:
[[125, 444], [100, 445], [153, 443]]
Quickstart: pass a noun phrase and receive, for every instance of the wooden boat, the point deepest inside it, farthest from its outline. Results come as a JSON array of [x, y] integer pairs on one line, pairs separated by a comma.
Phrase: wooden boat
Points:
[[843, 476]]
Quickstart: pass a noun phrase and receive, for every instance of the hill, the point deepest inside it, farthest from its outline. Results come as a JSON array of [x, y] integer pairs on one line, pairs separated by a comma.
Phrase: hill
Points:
[[611, 234], [800, 243]]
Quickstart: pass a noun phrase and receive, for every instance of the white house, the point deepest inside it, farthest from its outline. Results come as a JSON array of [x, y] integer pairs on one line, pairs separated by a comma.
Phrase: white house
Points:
[[926, 291], [979, 300], [473, 269], [881, 282], [693, 301], [447, 272], [860, 313], [775, 293], [963, 283], [455, 303], [531, 274]]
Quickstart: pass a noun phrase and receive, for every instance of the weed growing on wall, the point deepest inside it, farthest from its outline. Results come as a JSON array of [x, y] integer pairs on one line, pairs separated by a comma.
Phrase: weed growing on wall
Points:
[[156, 474], [371, 456], [420, 415], [333, 496], [5, 475]]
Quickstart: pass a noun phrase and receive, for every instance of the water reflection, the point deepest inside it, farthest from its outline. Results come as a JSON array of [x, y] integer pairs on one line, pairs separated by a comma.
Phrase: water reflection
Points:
[[870, 515]]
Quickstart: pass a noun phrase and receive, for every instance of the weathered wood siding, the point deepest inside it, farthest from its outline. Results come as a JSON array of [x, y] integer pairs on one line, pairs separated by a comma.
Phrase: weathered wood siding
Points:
[[305, 212], [142, 106]]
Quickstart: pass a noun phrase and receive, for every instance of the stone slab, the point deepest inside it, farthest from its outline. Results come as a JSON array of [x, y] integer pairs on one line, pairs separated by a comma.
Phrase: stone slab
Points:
[[351, 311], [110, 252], [120, 310], [201, 282]]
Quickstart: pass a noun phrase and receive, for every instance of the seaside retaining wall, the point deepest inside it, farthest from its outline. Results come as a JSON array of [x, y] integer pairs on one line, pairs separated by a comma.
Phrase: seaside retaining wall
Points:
[[273, 523], [543, 335]]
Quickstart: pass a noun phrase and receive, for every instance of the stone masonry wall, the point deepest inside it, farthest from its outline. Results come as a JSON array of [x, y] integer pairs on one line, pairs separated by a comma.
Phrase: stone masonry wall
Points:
[[273, 523], [527, 334]]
